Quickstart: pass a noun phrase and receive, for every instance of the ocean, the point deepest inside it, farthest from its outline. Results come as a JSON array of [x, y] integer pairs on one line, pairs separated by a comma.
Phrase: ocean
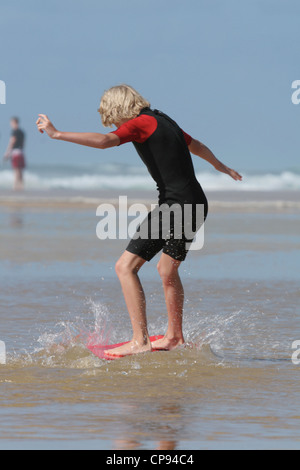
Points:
[[235, 384], [114, 175]]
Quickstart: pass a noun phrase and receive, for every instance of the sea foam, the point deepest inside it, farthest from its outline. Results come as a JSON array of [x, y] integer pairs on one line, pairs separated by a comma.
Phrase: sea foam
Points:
[[119, 179]]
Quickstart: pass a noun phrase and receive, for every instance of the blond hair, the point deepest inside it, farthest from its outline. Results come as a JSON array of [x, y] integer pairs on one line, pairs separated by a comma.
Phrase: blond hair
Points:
[[121, 103]]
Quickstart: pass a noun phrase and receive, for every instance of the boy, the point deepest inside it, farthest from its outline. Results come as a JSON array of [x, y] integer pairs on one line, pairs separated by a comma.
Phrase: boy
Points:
[[14, 151], [165, 149]]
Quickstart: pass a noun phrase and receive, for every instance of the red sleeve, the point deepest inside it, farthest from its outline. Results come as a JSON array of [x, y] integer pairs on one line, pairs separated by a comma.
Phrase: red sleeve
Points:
[[188, 139], [138, 129]]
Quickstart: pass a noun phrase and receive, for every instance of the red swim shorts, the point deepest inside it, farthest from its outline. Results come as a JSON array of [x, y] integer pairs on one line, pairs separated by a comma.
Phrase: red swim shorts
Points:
[[18, 159]]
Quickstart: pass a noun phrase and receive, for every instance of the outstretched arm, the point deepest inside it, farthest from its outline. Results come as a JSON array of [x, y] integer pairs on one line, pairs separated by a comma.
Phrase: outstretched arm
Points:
[[89, 139], [199, 149]]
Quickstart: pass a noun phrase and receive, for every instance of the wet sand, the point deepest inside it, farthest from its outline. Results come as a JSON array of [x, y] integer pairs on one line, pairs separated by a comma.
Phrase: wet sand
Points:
[[233, 387], [217, 199]]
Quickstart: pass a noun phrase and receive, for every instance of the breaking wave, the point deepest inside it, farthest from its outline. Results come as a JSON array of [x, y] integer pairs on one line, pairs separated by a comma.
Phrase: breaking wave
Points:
[[121, 176]]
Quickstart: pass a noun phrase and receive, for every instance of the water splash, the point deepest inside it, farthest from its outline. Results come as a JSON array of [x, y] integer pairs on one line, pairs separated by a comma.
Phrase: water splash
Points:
[[241, 335], [64, 344]]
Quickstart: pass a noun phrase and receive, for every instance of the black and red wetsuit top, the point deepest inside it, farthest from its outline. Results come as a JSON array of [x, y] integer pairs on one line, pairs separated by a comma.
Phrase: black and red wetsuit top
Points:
[[163, 147]]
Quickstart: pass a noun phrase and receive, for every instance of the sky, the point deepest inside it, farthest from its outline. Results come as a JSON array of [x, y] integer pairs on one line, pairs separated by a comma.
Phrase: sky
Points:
[[222, 70]]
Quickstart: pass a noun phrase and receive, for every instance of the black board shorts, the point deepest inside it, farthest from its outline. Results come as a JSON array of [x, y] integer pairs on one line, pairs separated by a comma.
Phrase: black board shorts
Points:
[[171, 231]]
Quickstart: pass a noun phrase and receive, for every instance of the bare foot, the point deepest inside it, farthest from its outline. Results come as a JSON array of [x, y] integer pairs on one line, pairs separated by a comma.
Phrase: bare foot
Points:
[[133, 347], [167, 344]]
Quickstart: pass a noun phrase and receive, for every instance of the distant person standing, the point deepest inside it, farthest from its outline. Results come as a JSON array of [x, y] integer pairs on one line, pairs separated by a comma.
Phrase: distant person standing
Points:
[[14, 152]]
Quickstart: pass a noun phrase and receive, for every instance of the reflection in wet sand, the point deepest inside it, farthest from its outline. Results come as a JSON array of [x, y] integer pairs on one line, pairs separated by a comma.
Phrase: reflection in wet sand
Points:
[[16, 219], [170, 414]]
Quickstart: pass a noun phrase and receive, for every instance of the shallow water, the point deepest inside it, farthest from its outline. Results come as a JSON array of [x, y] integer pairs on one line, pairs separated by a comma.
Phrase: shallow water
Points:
[[234, 385]]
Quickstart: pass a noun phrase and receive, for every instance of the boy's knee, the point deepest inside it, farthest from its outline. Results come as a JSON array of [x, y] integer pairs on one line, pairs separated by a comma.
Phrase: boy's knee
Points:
[[159, 268], [167, 273], [123, 267]]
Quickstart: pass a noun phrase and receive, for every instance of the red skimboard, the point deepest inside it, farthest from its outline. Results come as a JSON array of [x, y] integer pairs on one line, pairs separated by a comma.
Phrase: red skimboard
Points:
[[98, 349]]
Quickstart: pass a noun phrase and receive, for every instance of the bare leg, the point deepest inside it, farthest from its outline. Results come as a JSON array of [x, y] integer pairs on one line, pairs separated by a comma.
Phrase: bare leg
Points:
[[174, 296], [18, 183], [127, 268]]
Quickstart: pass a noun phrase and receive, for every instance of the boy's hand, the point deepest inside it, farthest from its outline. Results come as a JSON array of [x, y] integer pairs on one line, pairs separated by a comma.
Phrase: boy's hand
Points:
[[44, 124], [229, 171]]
